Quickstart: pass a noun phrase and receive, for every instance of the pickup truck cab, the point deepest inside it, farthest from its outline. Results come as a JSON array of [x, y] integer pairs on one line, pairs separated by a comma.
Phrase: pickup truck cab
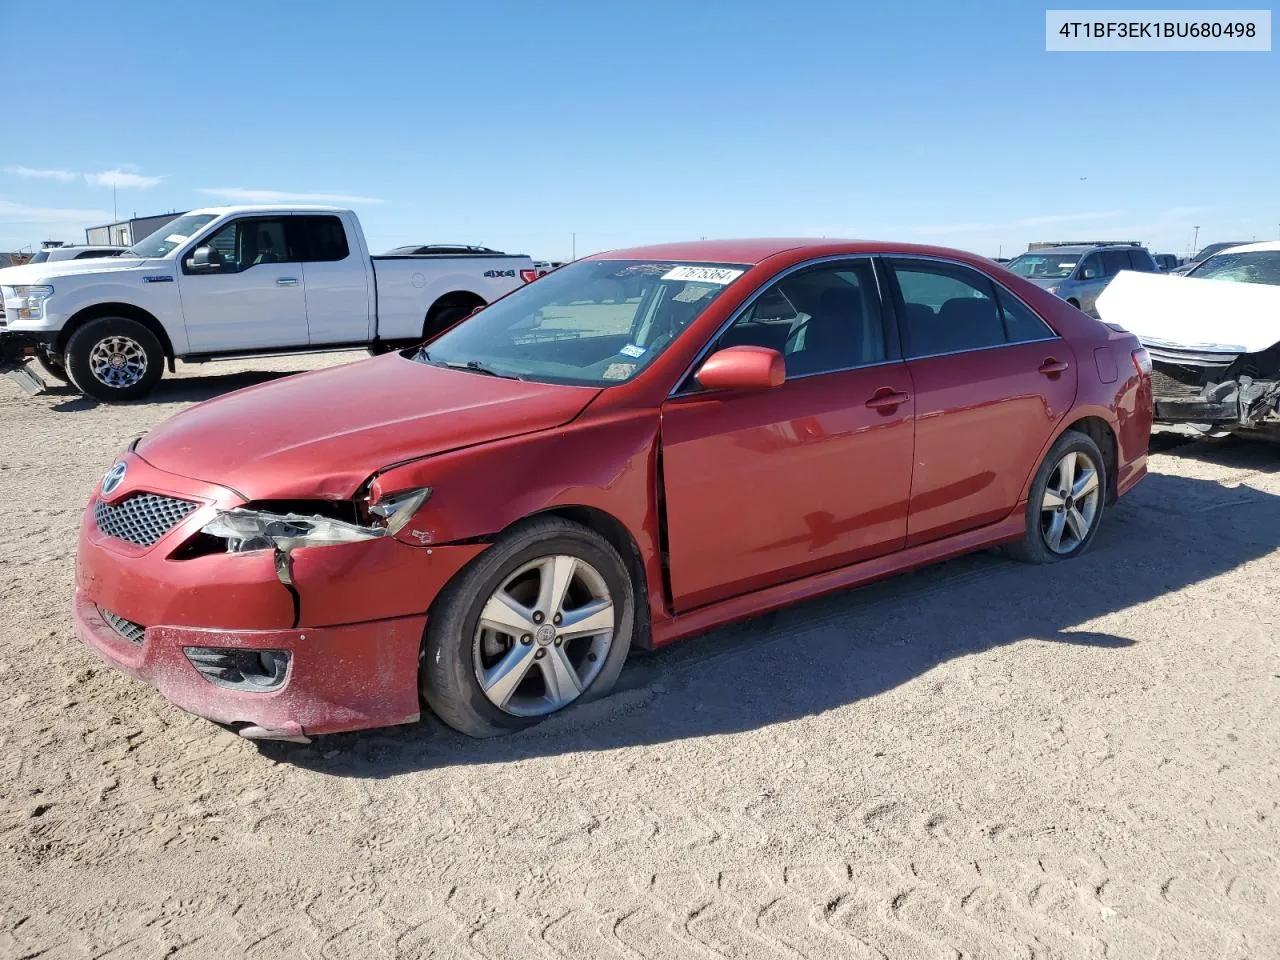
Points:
[[227, 282]]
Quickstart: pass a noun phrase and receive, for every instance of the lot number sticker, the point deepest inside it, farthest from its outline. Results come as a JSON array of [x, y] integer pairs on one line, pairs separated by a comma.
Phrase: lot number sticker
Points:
[[720, 275]]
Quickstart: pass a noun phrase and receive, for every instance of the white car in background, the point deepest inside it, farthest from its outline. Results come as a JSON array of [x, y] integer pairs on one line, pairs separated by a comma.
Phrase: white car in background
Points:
[[230, 282], [1213, 336], [73, 252]]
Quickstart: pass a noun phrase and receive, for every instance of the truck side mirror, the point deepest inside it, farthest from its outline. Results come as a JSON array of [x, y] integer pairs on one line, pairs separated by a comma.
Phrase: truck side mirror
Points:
[[204, 260]]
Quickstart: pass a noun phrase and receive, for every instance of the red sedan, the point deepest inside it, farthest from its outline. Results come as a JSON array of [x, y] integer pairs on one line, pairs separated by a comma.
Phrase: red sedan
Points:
[[635, 448]]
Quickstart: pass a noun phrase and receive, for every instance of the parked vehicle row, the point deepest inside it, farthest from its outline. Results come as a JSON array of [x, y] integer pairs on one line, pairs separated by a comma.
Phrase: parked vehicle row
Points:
[[232, 282], [1079, 272], [632, 449]]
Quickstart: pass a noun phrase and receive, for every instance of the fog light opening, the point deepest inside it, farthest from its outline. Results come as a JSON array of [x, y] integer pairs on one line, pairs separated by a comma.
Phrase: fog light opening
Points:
[[238, 668]]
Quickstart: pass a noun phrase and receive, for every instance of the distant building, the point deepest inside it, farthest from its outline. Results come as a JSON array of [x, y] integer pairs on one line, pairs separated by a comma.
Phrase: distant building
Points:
[[126, 233]]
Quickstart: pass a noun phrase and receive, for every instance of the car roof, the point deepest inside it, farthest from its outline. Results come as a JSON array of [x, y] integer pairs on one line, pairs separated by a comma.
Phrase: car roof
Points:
[[751, 251], [1084, 247], [1262, 246]]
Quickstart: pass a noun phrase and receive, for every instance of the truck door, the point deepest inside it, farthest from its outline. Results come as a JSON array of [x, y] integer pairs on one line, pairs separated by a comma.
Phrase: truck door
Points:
[[337, 277], [249, 294]]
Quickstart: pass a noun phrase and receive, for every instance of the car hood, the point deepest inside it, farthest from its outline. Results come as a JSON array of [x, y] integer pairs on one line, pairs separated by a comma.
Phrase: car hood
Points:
[[322, 434], [1217, 315], [44, 272]]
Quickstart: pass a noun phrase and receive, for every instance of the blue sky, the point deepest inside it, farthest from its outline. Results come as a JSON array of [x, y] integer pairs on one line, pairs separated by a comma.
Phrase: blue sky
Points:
[[519, 124]]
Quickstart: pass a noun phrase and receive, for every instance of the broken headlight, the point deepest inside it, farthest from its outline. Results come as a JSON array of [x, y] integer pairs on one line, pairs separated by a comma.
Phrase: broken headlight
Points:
[[245, 529]]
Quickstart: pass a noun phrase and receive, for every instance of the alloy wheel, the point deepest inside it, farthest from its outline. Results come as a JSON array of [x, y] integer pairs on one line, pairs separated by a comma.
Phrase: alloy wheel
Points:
[[1070, 505], [118, 361], [543, 635]]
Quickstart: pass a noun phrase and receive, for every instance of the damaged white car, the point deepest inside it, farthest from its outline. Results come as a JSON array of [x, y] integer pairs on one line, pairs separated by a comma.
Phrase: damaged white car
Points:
[[1213, 336]]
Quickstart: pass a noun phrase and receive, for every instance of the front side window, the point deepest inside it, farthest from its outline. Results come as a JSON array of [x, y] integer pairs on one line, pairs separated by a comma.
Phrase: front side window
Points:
[[246, 243], [594, 322], [1261, 266], [946, 308], [1044, 266], [1091, 268], [822, 319], [172, 235]]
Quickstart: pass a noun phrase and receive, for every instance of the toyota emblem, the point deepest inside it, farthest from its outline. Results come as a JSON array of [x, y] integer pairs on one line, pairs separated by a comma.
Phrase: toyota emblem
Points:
[[114, 478]]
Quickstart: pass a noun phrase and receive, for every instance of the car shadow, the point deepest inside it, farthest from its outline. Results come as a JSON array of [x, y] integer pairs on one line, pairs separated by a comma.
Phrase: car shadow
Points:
[[172, 389], [1258, 455], [1171, 532]]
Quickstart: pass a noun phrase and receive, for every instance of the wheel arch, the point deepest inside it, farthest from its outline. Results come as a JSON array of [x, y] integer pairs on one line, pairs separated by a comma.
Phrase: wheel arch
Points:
[[126, 310], [467, 299]]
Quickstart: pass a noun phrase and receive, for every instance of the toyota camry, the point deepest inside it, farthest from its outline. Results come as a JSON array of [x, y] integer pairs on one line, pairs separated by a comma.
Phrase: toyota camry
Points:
[[630, 450]]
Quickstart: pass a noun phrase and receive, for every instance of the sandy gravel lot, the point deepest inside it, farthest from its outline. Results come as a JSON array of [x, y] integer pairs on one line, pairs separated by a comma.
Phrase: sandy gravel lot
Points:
[[978, 760]]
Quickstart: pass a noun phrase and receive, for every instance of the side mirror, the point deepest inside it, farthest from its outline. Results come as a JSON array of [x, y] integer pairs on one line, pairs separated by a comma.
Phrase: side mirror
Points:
[[1088, 273], [742, 368], [204, 260]]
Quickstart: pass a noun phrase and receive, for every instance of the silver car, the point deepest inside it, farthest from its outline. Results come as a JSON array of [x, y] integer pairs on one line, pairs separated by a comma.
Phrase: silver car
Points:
[[1078, 272]]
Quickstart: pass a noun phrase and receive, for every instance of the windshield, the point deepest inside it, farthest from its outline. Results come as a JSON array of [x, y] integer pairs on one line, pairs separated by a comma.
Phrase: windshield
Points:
[[172, 234], [1262, 266], [595, 322], [1044, 266], [1213, 248]]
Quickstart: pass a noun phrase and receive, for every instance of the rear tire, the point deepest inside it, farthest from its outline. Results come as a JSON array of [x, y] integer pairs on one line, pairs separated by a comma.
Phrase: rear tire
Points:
[[462, 659], [1066, 502], [114, 359]]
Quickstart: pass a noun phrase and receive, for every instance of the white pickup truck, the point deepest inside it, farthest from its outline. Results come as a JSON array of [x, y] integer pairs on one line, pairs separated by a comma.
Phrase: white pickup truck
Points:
[[228, 282]]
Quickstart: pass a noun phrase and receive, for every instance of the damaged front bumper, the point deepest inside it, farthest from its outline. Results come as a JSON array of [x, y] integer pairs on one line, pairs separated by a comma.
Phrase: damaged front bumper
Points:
[[1226, 392], [16, 348]]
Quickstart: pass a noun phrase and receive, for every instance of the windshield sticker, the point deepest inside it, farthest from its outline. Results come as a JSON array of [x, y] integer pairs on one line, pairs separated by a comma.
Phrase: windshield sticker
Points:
[[618, 371], [720, 275], [692, 293], [631, 350], [174, 238]]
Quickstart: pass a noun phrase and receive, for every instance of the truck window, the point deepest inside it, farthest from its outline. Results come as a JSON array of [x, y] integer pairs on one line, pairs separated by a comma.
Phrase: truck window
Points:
[[250, 242], [317, 239]]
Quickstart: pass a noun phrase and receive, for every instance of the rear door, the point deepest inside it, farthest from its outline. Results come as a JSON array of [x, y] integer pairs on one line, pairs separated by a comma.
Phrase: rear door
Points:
[[991, 379], [337, 279], [767, 486], [254, 299]]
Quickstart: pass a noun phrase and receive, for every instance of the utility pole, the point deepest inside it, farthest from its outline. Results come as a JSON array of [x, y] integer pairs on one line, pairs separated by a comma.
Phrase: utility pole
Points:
[[574, 255], [1194, 240], [114, 215]]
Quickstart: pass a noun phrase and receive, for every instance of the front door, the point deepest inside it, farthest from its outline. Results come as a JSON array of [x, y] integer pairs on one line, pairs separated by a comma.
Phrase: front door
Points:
[[769, 486], [992, 382], [254, 299]]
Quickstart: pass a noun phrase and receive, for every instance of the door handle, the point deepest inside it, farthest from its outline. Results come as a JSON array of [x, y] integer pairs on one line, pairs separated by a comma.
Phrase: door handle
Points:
[[887, 399], [287, 282], [1052, 367]]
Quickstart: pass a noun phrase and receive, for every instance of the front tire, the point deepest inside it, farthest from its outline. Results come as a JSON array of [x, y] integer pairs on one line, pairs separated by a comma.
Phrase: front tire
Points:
[[114, 359], [1066, 503], [541, 621]]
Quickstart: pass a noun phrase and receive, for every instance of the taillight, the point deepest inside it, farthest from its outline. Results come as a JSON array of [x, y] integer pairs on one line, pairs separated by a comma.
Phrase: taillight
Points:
[[1142, 361], [528, 276]]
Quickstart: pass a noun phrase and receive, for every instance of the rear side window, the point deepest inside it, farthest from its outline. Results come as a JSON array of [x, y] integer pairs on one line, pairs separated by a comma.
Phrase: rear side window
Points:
[[1113, 261], [946, 308], [950, 308], [317, 239], [1141, 260], [1020, 323]]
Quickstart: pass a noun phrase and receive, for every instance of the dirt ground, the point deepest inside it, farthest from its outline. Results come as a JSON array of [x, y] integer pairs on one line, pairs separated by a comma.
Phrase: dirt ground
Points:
[[981, 759]]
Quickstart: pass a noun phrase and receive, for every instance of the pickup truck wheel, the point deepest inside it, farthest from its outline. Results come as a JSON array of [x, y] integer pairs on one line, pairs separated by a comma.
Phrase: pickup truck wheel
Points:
[[52, 367], [541, 620], [1065, 506], [114, 359], [443, 319]]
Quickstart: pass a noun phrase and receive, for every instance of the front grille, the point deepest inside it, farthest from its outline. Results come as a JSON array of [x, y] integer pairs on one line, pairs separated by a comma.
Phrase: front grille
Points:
[[1175, 382], [126, 628], [142, 518]]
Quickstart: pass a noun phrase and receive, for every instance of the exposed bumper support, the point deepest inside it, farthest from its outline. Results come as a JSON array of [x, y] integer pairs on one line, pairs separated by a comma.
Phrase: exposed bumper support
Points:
[[1244, 402], [16, 348]]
